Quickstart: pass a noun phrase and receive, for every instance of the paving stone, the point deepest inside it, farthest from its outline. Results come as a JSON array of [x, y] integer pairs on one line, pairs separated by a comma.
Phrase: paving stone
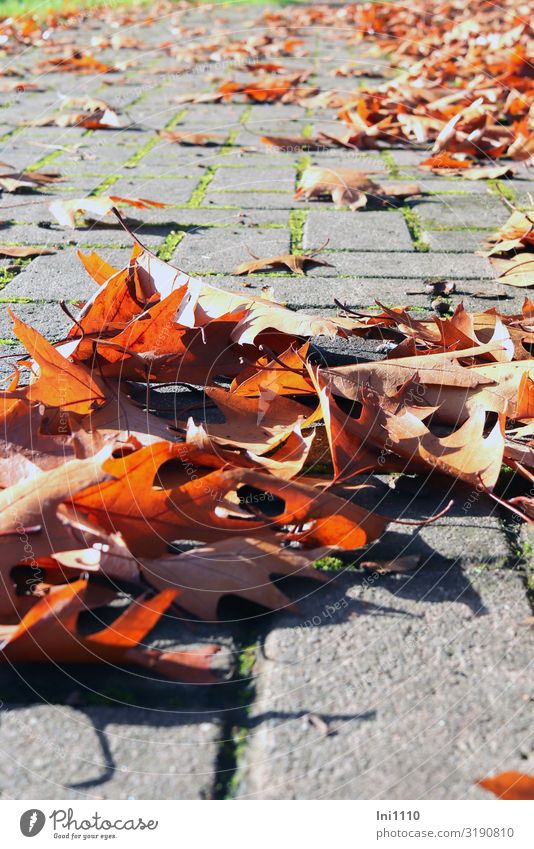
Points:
[[252, 200], [60, 276], [407, 157], [451, 185], [221, 250], [303, 292], [361, 231], [460, 212], [227, 217], [403, 264], [54, 751], [168, 161], [256, 154], [424, 681], [163, 191], [236, 179], [49, 319], [455, 241], [33, 234]]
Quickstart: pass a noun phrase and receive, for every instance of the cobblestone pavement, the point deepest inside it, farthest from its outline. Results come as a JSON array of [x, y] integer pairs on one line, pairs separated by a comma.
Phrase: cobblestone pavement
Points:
[[384, 686]]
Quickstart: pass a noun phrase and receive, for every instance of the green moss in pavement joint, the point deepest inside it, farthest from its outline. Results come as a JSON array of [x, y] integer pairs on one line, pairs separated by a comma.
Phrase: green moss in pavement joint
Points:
[[138, 155], [202, 186], [297, 220], [307, 131], [329, 564], [16, 301], [176, 120], [11, 133], [415, 227], [104, 185], [44, 160], [501, 190], [302, 163], [229, 143], [170, 244], [391, 165], [7, 273], [234, 734], [245, 115]]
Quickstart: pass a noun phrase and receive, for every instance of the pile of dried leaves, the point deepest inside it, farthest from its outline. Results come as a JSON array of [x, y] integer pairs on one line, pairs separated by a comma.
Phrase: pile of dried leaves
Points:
[[96, 487]]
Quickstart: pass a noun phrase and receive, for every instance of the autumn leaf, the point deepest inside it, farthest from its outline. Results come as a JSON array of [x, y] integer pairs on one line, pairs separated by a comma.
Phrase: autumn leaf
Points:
[[15, 180], [349, 187], [49, 633], [16, 251], [244, 568], [99, 118], [293, 262], [207, 139], [65, 211], [510, 785]]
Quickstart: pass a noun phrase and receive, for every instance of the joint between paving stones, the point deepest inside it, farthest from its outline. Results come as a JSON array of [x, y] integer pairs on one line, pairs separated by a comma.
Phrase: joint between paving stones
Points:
[[391, 166], [235, 731], [413, 222], [296, 223]]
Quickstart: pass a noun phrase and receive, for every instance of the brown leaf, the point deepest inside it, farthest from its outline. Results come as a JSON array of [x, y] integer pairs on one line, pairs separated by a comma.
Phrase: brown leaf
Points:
[[9, 250], [242, 567], [293, 262], [205, 139]]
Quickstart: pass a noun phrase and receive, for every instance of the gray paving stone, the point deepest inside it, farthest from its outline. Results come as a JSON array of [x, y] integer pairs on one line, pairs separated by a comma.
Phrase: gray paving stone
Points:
[[33, 234], [403, 264], [454, 241], [303, 292], [163, 191], [49, 319], [424, 680], [407, 157], [451, 185], [59, 276], [238, 179], [358, 231], [252, 200], [54, 751], [460, 212], [221, 250]]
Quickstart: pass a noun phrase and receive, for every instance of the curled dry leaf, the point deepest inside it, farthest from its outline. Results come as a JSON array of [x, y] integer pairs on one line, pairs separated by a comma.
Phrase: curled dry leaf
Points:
[[65, 211], [97, 118], [13, 180], [245, 567], [350, 187], [448, 165], [197, 139], [19, 251], [293, 262]]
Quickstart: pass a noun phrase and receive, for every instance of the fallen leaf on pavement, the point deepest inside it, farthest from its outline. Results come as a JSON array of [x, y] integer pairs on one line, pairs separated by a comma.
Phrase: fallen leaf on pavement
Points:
[[293, 262], [65, 211], [510, 785], [15, 251]]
